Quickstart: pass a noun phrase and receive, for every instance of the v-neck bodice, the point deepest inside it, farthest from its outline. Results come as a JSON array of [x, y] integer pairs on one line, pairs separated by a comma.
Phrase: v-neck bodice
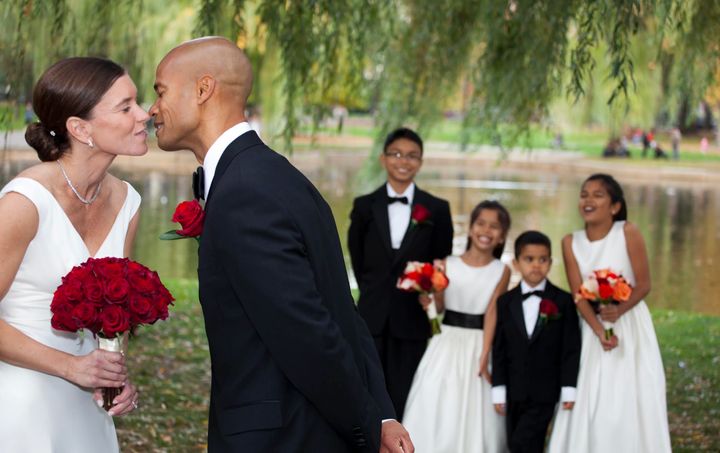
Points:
[[56, 248]]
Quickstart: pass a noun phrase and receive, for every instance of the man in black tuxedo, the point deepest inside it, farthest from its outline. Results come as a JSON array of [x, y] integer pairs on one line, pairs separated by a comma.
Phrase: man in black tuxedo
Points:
[[388, 228], [536, 350], [293, 365]]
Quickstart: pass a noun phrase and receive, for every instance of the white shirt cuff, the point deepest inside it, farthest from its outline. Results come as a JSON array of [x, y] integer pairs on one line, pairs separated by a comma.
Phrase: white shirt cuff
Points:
[[388, 420], [567, 394], [499, 394]]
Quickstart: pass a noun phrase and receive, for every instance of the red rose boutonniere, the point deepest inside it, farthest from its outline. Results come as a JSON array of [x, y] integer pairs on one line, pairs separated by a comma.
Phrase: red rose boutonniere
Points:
[[548, 311], [420, 215], [190, 216]]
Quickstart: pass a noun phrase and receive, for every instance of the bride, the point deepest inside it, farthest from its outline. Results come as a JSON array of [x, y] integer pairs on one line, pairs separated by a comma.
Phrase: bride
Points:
[[56, 215]]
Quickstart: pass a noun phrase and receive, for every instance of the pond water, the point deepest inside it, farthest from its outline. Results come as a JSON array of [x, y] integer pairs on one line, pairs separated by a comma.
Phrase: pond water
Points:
[[680, 221]]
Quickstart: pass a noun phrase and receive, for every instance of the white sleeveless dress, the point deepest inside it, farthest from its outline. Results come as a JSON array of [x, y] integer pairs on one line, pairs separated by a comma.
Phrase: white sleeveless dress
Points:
[[40, 413], [620, 406], [449, 408]]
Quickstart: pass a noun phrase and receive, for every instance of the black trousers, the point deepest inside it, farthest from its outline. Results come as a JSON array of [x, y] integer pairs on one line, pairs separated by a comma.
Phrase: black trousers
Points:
[[400, 358], [527, 424]]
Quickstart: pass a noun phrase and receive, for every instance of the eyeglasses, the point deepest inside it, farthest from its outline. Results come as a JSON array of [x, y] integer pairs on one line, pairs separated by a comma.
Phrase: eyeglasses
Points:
[[410, 157]]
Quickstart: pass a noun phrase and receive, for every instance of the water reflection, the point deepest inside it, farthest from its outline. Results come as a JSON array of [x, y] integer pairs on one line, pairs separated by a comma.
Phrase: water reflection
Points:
[[681, 225]]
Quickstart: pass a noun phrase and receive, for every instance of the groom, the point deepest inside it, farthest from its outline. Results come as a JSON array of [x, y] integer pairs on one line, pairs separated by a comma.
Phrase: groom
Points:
[[293, 365]]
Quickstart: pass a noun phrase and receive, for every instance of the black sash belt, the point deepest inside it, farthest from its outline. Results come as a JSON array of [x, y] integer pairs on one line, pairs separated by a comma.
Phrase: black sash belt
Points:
[[457, 319]]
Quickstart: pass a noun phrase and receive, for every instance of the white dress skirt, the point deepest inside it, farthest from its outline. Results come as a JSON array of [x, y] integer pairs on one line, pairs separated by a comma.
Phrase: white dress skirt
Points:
[[40, 413], [621, 405], [449, 408]]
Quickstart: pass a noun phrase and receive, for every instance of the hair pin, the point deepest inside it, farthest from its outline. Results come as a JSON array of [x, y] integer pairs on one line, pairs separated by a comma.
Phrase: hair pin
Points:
[[52, 133]]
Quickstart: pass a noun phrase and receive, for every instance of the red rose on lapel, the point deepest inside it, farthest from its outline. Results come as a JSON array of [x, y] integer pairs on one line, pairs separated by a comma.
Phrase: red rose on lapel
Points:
[[548, 310], [190, 216], [420, 215]]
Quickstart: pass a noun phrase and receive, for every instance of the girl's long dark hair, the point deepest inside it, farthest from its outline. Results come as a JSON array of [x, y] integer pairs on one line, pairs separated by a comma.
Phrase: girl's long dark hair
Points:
[[614, 190], [503, 218]]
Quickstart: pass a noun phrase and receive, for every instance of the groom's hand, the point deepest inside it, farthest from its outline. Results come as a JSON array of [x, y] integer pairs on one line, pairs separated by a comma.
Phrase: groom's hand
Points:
[[395, 438]]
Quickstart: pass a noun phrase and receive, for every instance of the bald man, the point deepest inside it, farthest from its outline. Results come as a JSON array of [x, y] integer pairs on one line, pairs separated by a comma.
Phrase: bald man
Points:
[[294, 368]]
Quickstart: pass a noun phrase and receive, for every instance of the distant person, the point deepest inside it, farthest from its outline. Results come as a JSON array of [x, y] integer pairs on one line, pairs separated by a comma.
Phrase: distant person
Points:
[[675, 137], [29, 113], [395, 224], [453, 382], [704, 145], [536, 352], [621, 404], [648, 142]]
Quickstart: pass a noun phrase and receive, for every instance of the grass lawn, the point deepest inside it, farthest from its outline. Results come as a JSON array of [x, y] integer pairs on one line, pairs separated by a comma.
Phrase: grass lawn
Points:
[[169, 361]]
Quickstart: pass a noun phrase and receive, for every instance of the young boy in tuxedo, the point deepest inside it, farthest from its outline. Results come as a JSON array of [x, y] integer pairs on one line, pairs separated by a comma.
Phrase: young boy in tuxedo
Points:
[[536, 350], [397, 223]]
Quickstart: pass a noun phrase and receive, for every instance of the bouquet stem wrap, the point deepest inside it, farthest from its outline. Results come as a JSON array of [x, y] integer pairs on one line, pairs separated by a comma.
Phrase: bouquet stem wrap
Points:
[[115, 344], [432, 315]]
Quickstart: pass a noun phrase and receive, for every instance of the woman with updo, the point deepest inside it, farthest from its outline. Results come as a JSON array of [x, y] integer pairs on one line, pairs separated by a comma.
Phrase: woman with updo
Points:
[[56, 215]]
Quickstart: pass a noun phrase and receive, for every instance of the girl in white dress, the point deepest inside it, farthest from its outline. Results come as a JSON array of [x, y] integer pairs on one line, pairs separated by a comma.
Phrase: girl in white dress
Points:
[[56, 215], [449, 408], [620, 405]]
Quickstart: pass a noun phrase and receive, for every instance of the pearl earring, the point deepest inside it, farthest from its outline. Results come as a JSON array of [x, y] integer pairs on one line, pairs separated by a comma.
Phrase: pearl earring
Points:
[[90, 143]]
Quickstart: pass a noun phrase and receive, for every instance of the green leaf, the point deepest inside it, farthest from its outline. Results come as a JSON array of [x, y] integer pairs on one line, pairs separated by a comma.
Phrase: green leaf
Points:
[[172, 235]]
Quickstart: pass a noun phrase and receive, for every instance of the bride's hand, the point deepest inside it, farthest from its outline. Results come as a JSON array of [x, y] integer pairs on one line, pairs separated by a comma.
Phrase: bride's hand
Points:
[[98, 369], [424, 300], [124, 403]]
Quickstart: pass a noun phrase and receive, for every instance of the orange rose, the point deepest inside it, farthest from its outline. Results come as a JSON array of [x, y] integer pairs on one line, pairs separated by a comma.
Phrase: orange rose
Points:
[[622, 290], [439, 281], [585, 294]]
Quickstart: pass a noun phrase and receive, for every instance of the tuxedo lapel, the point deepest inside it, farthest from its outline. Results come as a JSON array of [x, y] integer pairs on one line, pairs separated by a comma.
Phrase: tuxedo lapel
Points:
[[380, 213], [516, 310], [420, 197], [240, 144]]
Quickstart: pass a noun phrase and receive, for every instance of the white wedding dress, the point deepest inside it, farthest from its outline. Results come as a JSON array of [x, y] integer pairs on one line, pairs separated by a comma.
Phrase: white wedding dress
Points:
[[449, 408], [620, 405], [40, 413]]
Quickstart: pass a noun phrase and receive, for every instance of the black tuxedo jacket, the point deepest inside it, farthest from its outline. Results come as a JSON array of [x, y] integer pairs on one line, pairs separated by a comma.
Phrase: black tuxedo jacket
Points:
[[534, 369], [293, 365], [377, 266]]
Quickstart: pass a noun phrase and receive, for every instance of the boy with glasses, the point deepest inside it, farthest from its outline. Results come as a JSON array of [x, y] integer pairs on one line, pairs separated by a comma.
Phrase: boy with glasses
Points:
[[395, 224]]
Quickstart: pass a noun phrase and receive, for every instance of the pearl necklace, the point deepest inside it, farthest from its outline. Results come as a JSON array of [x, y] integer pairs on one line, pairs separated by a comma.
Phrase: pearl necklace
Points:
[[77, 194]]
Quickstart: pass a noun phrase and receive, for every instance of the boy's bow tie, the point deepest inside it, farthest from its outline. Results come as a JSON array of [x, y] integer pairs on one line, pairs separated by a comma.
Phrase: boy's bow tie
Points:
[[537, 292], [403, 200]]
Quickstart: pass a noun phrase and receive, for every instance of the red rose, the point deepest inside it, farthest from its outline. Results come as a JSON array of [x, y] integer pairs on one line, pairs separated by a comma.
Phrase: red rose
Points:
[[190, 216], [142, 309], [605, 290], [110, 268], [61, 309], [116, 290], [548, 308], [86, 316], [141, 278], [73, 290], [114, 321], [93, 291], [425, 282], [420, 214]]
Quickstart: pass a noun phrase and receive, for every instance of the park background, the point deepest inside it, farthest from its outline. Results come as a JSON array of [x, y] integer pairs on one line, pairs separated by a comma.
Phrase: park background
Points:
[[516, 100]]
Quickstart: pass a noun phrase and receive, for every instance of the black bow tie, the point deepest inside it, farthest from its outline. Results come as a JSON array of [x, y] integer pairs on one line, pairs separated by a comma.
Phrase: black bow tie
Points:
[[198, 184], [537, 292], [403, 200]]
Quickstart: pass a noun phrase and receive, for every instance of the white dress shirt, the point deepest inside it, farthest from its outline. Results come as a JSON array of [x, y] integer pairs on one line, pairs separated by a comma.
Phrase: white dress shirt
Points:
[[399, 214], [216, 149], [531, 311]]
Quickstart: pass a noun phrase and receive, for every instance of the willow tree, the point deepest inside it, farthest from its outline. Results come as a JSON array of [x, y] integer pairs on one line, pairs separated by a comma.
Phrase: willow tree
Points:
[[514, 56]]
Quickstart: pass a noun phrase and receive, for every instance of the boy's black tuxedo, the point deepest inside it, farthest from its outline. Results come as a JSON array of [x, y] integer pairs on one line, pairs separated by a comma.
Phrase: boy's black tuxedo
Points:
[[294, 367], [534, 369], [395, 318]]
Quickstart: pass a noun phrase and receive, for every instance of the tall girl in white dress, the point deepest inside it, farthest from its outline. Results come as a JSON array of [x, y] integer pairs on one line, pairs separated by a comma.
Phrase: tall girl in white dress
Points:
[[620, 405], [56, 215], [449, 408]]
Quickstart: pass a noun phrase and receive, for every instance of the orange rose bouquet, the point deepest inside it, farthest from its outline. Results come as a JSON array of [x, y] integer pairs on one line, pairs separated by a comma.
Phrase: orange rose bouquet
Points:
[[604, 287], [423, 278]]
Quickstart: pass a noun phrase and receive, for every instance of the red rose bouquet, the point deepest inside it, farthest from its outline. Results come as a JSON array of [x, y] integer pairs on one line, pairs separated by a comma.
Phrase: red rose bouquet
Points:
[[604, 287], [190, 215], [109, 297], [424, 279], [420, 215], [548, 311]]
